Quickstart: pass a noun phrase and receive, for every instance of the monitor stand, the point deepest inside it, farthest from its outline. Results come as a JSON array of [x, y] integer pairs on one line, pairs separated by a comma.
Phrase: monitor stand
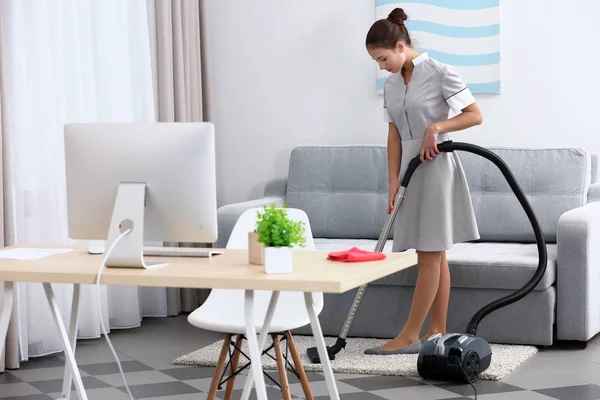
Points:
[[128, 214]]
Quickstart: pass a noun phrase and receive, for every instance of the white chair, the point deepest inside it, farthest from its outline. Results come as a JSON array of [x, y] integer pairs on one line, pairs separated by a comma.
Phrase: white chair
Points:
[[223, 311]]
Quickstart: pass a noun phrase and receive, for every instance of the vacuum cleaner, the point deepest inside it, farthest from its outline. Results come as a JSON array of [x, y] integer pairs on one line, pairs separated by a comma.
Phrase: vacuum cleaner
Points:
[[454, 357]]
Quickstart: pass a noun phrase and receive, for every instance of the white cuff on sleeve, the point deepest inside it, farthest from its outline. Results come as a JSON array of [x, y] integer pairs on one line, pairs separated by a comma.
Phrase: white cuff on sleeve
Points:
[[460, 100], [386, 116]]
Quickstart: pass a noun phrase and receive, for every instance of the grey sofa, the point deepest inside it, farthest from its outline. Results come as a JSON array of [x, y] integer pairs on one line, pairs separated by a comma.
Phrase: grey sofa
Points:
[[343, 189]]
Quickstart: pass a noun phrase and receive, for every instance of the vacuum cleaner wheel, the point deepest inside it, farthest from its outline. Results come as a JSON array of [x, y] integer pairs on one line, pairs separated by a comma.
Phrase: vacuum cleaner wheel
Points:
[[471, 366]]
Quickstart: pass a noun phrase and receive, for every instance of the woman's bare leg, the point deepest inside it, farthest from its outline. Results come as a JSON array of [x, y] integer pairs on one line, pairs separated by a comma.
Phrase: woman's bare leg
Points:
[[439, 308], [425, 292]]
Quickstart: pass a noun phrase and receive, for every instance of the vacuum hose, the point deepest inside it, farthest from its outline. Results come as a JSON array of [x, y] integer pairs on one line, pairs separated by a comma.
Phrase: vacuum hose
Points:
[[539, 237], [449, 146]]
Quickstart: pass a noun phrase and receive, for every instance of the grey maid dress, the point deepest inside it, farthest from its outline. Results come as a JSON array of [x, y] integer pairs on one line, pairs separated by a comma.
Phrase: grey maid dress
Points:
[[437, 211]]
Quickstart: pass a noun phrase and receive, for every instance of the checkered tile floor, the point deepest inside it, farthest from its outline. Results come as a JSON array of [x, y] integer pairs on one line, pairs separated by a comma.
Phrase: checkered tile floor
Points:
[[146, 354]]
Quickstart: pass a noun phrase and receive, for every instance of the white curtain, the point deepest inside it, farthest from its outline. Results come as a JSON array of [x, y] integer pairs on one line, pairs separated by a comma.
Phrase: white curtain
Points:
[[70, 61]]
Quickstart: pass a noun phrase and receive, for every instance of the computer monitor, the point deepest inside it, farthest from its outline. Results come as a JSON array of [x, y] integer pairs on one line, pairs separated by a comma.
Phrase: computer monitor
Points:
[[157, 179]]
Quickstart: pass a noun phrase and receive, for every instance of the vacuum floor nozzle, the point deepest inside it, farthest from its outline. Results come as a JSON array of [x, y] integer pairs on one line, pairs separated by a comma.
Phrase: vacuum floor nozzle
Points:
[[313, 353]]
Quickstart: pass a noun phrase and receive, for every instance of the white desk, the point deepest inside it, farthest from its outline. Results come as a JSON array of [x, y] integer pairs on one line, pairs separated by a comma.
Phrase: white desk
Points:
[[312, 273]]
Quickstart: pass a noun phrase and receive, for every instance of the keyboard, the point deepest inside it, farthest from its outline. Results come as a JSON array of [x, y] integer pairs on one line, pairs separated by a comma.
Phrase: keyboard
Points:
[[181, 252], [170, 252]]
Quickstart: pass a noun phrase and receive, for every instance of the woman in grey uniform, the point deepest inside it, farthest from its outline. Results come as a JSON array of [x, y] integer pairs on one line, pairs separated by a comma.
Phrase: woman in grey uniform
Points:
[[437, 210]]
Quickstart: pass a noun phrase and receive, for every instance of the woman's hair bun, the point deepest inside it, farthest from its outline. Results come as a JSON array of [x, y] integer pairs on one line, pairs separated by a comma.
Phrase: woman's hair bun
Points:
[[398, 16]]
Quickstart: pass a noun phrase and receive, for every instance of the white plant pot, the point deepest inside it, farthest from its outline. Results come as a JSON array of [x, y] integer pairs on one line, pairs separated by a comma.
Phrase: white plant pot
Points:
[[278, 260]]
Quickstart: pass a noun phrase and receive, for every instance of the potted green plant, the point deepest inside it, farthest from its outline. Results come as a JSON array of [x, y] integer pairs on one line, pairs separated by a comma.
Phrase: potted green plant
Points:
[[278, 235]]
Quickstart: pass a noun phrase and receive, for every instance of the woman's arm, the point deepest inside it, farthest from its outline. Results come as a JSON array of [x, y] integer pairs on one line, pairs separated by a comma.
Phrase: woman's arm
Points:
[[394, 150], [470, 116]]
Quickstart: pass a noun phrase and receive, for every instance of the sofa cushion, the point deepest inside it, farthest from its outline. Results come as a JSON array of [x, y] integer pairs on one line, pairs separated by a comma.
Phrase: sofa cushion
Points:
[[472, 265], [342, 189], [345, 244], [554, 180]]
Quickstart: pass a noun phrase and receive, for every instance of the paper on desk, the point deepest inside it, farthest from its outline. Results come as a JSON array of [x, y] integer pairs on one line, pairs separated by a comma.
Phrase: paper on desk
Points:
[[30, 254]]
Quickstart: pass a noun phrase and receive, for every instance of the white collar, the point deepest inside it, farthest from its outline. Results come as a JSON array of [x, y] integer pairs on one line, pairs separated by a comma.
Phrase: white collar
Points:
[[420, 58]]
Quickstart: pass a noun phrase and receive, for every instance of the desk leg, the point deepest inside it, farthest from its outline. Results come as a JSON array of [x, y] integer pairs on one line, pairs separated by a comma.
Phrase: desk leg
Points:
[[6, 313], [255, 353], [262, 341], [66, 391], [69, 356], [323, 355]]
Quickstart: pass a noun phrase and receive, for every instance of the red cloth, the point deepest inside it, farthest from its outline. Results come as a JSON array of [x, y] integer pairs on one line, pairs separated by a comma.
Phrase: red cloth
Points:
[[355, 255]]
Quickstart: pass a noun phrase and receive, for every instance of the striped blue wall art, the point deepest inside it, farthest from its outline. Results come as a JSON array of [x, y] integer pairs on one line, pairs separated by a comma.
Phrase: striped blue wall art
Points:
[[462, 33]]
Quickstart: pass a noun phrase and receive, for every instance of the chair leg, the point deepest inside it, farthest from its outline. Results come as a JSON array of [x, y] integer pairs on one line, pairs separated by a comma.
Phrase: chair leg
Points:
[[214, 385], [299, 367], [234, 364], [281, 367]]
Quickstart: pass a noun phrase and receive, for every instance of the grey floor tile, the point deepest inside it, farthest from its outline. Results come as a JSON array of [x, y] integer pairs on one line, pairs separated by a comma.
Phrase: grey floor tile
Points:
[[429, 381], [483, 387], [162, 356], [421, 392], [582, 392], [272, 393], [342, 376], [12, 390], [184, 374], [193, 396], [552, 365], [136, 342], [542, 381], [43, 374], [136, 378], [113, 368], [458, 398], [382, 382], [42, 362], [94, 351], [98, 394], [587, 375], [8, 377], [55, 385], [520, 395], [34, 397], [564, 351], [592, 355], [353, 396], [320, 389], [204, 383], [292, 378], [159, 389]]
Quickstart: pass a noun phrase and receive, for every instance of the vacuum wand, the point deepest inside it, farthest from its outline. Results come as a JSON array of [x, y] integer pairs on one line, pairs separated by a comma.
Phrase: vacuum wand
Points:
[[340, 343]]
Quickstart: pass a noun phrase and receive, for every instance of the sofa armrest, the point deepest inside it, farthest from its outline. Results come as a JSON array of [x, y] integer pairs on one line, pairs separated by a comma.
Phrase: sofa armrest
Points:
[[578, 273], [594, 192], [228, 215], [276, 187]]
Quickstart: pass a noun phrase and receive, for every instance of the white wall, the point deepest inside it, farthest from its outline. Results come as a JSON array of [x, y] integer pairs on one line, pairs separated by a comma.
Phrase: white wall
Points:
[[283, 74]]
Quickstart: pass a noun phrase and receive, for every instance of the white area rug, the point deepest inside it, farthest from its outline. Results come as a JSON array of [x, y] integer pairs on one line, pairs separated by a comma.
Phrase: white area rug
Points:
[[352, 360]]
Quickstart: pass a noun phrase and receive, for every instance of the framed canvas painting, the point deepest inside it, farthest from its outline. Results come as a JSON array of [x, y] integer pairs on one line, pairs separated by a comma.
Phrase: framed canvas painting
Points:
[[462, 33]]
